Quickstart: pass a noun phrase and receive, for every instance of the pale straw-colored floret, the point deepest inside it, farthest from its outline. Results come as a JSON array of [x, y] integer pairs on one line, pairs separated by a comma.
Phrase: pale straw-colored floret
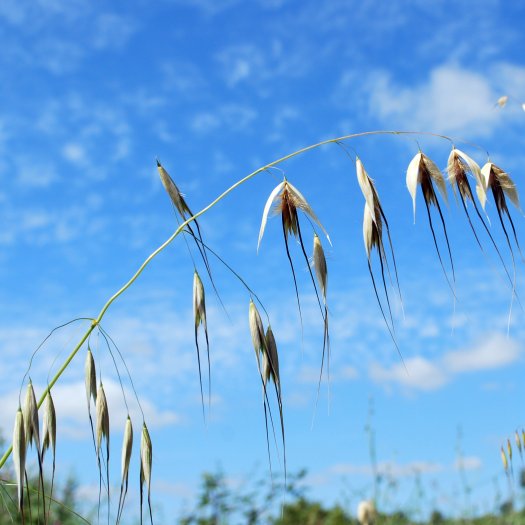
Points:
[[257, 332], [146, 456], [372, 231], [19, 455], [518, 441], [49, 426], [287, 200], [173, 192], [367, 187], [495, 178], [31, 424], [127, 446], [319, 263], [459, 165], [502, 101], [424, 172], [199, 305], [366, 512], [90, 376], [504, 459], [271, 358], [102, 429]]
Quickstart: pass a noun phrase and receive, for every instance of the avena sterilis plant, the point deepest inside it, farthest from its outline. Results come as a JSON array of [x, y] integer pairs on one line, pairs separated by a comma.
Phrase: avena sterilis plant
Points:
[[287, 201]]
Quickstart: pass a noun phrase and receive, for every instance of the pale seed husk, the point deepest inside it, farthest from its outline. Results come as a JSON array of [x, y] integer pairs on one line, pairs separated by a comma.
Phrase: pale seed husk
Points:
[[459, 165], [173, 191], [504, 459], [273, 356], [146, 456], [102, 428], [127, 446], [49, 426], [494, 176], [90, 378], [502, 101], [31, 424], [19, 456], [367, 187], [199, 305], [319, 262], [257, 331]]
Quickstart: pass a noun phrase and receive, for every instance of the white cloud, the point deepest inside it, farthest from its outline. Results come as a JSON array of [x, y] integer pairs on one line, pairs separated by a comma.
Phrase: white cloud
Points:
[[112, 31], [468, 463], [492, 351]]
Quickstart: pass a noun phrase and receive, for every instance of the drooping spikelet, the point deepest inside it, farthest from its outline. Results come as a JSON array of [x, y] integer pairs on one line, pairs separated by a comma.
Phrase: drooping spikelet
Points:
[[49, 426], [502, 101], [146, 458], [102, 429], [127, 447], [319, 263], [31, 424], [518, 443], [90, 375], [288, 199], [501, 185], [257, 333], [19, 456], [173, 191], [504, 459], [459, 166], [271, 368], [199, 314], [423, 172]]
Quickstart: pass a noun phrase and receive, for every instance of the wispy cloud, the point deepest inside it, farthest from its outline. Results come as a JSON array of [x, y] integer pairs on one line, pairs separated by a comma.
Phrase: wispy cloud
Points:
[[491, 352]]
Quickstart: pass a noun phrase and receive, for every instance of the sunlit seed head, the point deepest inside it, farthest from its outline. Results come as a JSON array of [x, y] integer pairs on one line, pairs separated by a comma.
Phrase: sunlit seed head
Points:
[[19, 455], [372, 231], [504, 459], [509, 450], [501, 185], [146, 457], [31, 424], [127, 447], [49, 426], [459, 166], [256, 330], [199, 305], [90, 375], [173, 191], [273, 356], [518, 441], [502, 101], [102, 430], [367, 188], [319, 262]]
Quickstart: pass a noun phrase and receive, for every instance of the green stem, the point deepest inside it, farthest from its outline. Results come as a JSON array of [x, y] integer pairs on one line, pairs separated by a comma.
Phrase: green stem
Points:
[[181, 227]]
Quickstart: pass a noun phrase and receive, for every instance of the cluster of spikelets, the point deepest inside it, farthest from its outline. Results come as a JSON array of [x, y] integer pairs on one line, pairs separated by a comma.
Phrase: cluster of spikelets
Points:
[[27, 433], [507, 455]]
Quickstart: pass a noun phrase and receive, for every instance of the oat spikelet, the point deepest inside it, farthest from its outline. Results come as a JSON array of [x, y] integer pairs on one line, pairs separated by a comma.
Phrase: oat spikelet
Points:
[[173, 191], [319, 262], [102, 430], [90, 378], [257, 333], [127, 446], [423, 172], [288, 199], [367, 187], [459, 166], [199, 314], [501, 185], [49, 426], [31, 428], [146, 457], [19, 457], [272, 360], [504, 459], [502, 101], [518, 443]]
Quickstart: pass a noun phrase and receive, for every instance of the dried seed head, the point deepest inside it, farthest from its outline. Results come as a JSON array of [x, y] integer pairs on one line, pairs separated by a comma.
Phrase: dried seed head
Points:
[[257, 331], [19, 455], [424, 172], [372, 231], [31, 425], [288, 199], [502, 101], [49, 426], [501, 184], [319, 262], [504, 459], [127, 446], [175, 195], [102, 430], [199, 305], [146, 455], [273, 357], [518, 441], [509, 450], [459, 165], [90, 377], [367, 187]]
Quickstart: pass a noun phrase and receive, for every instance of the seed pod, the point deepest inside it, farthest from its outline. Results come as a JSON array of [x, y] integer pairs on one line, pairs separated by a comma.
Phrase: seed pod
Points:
[[90, 378], [31, 425], [127, 446], [19, 455], [49, 426], [102, 429]]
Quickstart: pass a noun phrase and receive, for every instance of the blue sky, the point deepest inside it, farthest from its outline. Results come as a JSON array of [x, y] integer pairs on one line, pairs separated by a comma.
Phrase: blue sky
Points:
[[93, 92]]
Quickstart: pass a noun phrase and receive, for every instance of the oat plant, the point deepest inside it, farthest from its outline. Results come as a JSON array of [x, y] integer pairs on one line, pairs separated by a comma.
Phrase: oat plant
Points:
[[295, 213]]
